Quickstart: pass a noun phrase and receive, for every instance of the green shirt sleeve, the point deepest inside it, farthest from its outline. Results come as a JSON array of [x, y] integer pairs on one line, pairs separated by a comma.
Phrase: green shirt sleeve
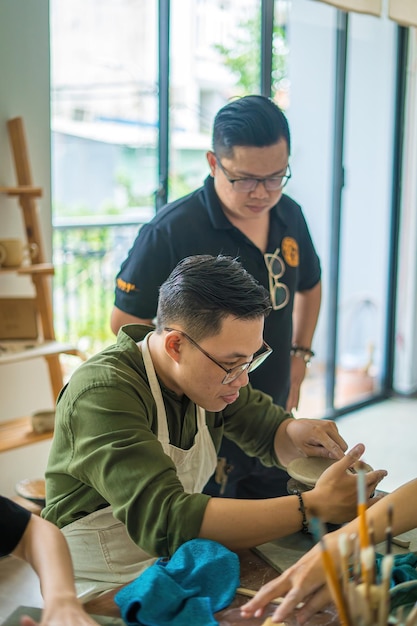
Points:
[[252, 421]]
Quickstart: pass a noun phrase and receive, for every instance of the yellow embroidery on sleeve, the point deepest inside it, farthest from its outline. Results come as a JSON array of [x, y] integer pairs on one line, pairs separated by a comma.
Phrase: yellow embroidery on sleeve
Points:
[[124, 286]]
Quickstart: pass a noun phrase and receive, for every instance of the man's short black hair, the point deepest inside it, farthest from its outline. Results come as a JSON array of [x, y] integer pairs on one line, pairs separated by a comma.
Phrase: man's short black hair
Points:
[[202, 290], [249, 121]]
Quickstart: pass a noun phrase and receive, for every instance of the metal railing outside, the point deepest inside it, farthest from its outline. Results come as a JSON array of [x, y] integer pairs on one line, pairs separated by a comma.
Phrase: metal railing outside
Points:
[[88, 253]]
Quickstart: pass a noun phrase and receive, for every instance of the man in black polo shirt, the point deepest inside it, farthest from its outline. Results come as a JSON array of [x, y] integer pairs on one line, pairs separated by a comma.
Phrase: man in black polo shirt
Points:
[[240, 211]]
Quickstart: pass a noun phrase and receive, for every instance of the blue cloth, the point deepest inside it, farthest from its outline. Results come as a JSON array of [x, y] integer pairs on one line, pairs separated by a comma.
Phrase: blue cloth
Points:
[[404, 568], [198, 580]]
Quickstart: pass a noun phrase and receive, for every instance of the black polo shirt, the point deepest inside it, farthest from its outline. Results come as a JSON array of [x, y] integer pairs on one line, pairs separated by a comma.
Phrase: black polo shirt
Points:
[[196, 224], [13, 522]]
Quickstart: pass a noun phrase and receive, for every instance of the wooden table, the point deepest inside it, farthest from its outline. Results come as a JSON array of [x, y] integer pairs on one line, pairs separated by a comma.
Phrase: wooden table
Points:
[[254, 572], [19, 584], [21, 587]]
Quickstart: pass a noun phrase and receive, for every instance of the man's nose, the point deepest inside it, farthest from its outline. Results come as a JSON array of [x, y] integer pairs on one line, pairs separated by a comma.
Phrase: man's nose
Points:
[[260, 190], [241, 381]]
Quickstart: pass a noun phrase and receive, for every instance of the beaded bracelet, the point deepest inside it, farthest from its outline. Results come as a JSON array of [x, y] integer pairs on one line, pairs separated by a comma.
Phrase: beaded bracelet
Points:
[[302, 510], [305, 353]]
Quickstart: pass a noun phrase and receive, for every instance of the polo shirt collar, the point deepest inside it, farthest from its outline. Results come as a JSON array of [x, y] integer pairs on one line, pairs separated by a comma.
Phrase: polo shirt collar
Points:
[[214, 209]]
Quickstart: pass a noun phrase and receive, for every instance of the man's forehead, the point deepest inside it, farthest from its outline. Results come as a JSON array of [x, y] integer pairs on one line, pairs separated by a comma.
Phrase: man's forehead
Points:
[[238, 337], [239, 150]]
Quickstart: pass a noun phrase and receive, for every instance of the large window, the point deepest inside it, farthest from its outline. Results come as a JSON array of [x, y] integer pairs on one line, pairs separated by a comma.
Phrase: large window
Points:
[[348, 136], [117, 64], [104, 150]]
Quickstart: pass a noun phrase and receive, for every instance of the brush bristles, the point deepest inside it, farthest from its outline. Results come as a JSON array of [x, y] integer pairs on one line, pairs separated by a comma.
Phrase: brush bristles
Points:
[[386, 566], [344, 545]]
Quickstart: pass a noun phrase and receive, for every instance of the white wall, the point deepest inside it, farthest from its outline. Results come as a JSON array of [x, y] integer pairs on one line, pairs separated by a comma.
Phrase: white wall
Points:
[[368, 162], [24, 88]]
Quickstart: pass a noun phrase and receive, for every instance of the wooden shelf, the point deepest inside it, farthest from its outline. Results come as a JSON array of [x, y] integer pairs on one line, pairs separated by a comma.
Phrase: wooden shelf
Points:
[[18, 432], [30, 270], [25, 190], [14, 351], [37, 268]]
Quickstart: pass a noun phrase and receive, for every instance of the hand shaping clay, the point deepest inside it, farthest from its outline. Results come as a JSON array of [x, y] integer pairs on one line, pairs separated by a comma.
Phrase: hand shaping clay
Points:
[[308, 470]]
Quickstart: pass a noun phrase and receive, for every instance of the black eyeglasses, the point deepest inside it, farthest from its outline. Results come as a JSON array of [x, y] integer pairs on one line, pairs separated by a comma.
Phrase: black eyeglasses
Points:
[[234, 372], [246, 185]]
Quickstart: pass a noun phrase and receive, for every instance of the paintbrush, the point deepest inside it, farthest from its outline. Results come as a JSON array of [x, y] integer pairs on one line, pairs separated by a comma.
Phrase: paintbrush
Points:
[[388, 530], [317, 529], [372, 543], [364, 597], [363, 529], [367, 563], [371, 534], [386, 569], [344, 549], [356, 563], [334, 584], [251, 593]]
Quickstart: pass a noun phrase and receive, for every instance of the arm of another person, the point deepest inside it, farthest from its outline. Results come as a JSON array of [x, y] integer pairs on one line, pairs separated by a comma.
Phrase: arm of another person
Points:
[[119, 318], [305, 315], [139, 278], [45, 549], [305, 580]]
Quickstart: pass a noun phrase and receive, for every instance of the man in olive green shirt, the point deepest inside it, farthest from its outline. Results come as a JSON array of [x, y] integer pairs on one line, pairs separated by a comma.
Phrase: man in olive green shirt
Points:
[[138, 427]]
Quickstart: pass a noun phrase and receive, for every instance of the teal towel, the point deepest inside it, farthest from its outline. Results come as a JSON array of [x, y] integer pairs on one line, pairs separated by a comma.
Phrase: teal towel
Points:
[[404, 568], [198, 580]]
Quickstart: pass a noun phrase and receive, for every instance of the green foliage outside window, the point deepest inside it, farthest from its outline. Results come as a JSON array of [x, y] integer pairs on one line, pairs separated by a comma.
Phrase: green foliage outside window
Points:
[[243, 57]]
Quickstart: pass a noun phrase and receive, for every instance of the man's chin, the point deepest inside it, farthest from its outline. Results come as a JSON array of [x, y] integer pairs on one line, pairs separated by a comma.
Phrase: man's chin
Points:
[[221, 403]]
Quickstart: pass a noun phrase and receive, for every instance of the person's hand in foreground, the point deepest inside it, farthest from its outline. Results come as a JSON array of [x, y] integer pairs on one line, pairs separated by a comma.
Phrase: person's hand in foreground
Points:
[[44, 547], [334, 498], [66, 612], [304, 582]]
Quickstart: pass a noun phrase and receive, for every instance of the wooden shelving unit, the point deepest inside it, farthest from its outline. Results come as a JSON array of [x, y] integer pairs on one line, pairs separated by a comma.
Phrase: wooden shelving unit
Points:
[[18, 432]]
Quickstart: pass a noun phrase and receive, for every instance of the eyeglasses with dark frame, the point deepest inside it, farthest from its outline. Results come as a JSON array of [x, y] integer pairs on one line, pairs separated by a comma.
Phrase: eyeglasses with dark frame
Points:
[[246, 185], [234, 372]]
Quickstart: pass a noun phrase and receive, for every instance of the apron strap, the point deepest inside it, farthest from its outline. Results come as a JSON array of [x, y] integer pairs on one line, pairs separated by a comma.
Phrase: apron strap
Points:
[[163, 434]]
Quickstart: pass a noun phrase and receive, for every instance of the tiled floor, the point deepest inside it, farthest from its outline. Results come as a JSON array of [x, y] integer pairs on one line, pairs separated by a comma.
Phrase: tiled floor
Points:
[[19, 585], [388, 429]]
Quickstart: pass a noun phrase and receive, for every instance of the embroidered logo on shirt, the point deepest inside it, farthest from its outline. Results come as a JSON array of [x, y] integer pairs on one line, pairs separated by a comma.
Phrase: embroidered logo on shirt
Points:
[[279, 292], [290, 251], [124, 286]]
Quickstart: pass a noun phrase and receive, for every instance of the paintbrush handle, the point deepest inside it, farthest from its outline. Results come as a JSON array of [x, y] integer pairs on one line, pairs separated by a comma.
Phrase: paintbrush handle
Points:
[[333, 582], [251, 593], [363, 527]]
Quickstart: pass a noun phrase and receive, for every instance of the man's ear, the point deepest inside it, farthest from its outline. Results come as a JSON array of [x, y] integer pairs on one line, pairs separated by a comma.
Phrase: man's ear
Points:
[[173, 344], [211, 159]]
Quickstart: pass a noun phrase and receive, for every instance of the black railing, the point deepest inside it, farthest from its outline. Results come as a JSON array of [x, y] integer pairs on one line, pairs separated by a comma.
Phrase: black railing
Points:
[[87, 256]]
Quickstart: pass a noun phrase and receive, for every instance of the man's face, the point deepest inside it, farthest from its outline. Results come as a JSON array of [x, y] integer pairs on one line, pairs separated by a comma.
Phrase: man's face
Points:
[[249, 162], [200, 379]]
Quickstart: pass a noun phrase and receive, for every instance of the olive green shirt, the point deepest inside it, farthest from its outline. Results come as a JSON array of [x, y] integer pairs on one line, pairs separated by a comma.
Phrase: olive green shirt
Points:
[[105, 448]]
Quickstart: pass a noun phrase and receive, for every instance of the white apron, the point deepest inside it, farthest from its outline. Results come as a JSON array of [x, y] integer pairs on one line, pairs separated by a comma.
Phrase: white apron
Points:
[[103, 554]]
